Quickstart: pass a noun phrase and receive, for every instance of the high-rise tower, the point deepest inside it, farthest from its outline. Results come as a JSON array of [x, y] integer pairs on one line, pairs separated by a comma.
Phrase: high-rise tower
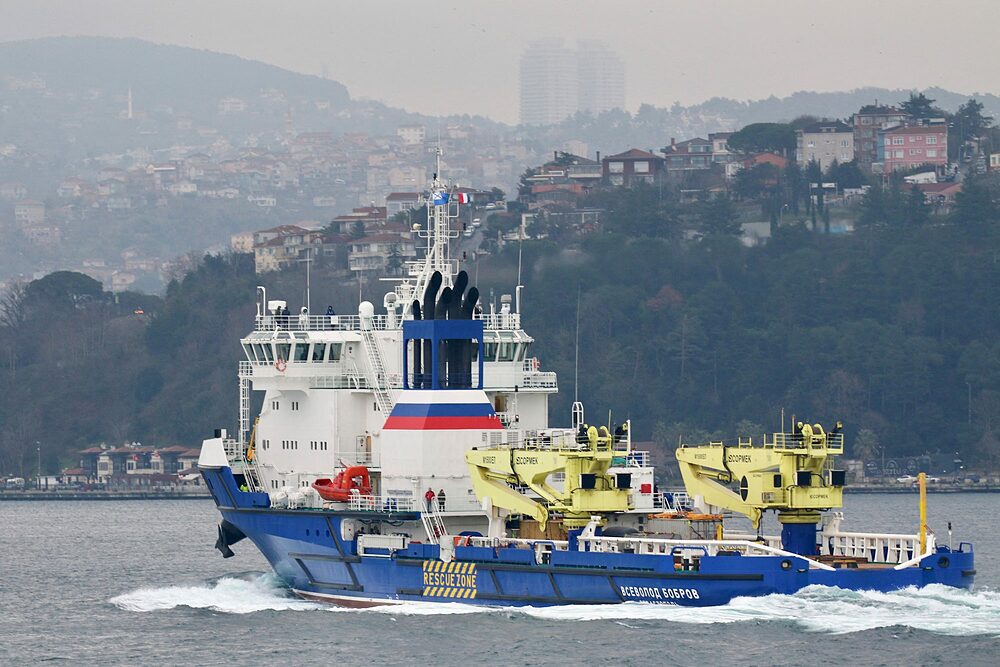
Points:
[[556, 81]]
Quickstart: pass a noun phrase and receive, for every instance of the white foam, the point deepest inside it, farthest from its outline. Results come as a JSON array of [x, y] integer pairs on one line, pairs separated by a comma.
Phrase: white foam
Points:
[[939, 609], [227, 595]]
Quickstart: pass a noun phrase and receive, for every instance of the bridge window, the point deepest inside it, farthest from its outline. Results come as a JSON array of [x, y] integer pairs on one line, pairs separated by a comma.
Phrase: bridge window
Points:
[[507, 346], [319, 351], [248, 351], [268, 355], [301, 352], [335, 349], [521, 348], [283, 351], [489, 351]]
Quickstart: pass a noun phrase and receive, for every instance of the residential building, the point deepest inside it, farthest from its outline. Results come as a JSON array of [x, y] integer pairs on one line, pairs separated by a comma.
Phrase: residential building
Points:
[[824, 142], [370, 217], [940, 194], [381, 253], [411, 135], [632, 166], [29, 213], [548, 73], [600, 78], [908, 146], [562, 180], [133, 464], [278, 247], [231, 105], [241, 242], [13, 191], [994, 161], [867, 122], [687, 155], [397, 202]]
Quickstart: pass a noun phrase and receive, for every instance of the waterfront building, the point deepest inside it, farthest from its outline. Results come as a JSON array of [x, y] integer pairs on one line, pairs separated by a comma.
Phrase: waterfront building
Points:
[[824, 142], [867, 122], [905, 147]]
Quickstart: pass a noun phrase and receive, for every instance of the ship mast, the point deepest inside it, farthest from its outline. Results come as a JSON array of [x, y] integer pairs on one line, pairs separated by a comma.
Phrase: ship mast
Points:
[[438, 234]]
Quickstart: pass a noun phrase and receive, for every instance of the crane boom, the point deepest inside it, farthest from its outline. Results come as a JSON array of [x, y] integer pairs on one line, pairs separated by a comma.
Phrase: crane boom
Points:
[[587, 487], [790, 473]]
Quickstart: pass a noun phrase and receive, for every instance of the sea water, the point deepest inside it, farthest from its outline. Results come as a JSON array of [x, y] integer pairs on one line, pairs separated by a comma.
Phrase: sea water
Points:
[[129, 583]]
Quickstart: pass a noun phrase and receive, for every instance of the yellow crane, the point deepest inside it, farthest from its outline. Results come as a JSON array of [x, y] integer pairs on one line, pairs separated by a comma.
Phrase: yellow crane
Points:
[[588, 489], [790, 473]]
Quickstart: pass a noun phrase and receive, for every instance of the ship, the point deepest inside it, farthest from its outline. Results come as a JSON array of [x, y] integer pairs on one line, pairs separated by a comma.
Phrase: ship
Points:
[[407, 456]]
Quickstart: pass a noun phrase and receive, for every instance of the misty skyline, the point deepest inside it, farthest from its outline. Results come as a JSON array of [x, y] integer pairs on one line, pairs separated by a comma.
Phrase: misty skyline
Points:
[[442, 58]]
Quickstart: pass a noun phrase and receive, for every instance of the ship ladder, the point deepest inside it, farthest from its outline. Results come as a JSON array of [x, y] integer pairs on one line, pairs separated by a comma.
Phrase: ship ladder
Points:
[[376, 371], [433, 523]]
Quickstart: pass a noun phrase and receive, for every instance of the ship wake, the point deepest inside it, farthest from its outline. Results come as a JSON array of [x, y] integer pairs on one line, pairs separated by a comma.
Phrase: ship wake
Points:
[[939, 609], [253, 592]]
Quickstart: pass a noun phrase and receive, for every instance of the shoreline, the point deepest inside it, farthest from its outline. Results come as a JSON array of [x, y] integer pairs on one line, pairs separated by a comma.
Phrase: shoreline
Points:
[[104, 495], [205, 495]]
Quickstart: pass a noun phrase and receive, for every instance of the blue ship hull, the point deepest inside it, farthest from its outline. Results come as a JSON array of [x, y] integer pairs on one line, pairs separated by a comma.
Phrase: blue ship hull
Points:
[[306, 550]]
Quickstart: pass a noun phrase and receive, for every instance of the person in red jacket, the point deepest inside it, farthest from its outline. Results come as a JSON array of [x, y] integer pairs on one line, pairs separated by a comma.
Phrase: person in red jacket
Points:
[[429, 497]]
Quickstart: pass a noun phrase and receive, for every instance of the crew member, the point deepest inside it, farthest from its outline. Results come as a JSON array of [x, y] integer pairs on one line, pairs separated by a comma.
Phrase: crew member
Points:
[[429, 497], [441, 500]]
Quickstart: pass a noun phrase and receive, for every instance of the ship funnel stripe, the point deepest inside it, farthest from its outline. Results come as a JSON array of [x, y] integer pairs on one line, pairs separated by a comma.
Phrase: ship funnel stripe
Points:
[[443, 410], [483, 422]]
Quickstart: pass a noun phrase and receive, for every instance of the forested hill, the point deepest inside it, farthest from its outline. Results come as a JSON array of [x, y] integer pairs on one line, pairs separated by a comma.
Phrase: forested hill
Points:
[[893, 329], [158, 74]]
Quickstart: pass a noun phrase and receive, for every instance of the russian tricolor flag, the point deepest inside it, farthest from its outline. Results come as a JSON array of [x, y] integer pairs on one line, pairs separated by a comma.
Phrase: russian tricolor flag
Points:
[[442, 411]]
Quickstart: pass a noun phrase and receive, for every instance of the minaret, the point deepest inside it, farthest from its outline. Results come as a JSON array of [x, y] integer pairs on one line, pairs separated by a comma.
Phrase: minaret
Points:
[[129, 114]]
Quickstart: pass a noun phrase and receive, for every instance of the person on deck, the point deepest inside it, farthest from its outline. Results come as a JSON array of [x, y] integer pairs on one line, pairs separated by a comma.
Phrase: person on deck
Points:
[[441, 500], [429, 497]]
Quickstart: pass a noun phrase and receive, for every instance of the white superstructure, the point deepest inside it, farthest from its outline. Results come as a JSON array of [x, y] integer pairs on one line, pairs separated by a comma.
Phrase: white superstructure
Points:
[[329, 382]]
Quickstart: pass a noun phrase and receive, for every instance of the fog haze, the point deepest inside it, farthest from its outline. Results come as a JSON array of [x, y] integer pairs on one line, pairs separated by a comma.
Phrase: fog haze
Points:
[[448, 57]]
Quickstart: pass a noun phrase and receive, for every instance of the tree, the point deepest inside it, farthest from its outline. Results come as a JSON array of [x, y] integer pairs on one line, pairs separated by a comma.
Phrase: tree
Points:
[[394, 262], [866, 445], [921, 106], [358, 230], [974, 203], [718, 217], [917, 210], [846, 174], [12, 306], [760, 137], [970, 121], [753, 182]]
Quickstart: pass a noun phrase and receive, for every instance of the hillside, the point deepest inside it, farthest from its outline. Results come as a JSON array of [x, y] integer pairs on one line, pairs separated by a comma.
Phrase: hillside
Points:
[[892, 329], [158, 74]]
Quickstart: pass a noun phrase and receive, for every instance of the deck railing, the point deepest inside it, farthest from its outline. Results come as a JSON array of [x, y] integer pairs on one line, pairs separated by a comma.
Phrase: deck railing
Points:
[[874, 547], [382, 503], [311, 322]]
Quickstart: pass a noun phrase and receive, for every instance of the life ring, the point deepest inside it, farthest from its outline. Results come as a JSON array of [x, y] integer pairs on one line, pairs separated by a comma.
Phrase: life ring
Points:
[[281, 365]]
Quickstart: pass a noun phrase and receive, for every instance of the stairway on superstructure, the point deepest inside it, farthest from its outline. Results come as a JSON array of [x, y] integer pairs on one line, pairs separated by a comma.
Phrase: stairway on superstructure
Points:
[[433, 523], [376, 369]]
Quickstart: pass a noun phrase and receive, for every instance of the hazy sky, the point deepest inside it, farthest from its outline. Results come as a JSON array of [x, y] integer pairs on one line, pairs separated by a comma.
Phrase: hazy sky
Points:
[[461, 57]]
